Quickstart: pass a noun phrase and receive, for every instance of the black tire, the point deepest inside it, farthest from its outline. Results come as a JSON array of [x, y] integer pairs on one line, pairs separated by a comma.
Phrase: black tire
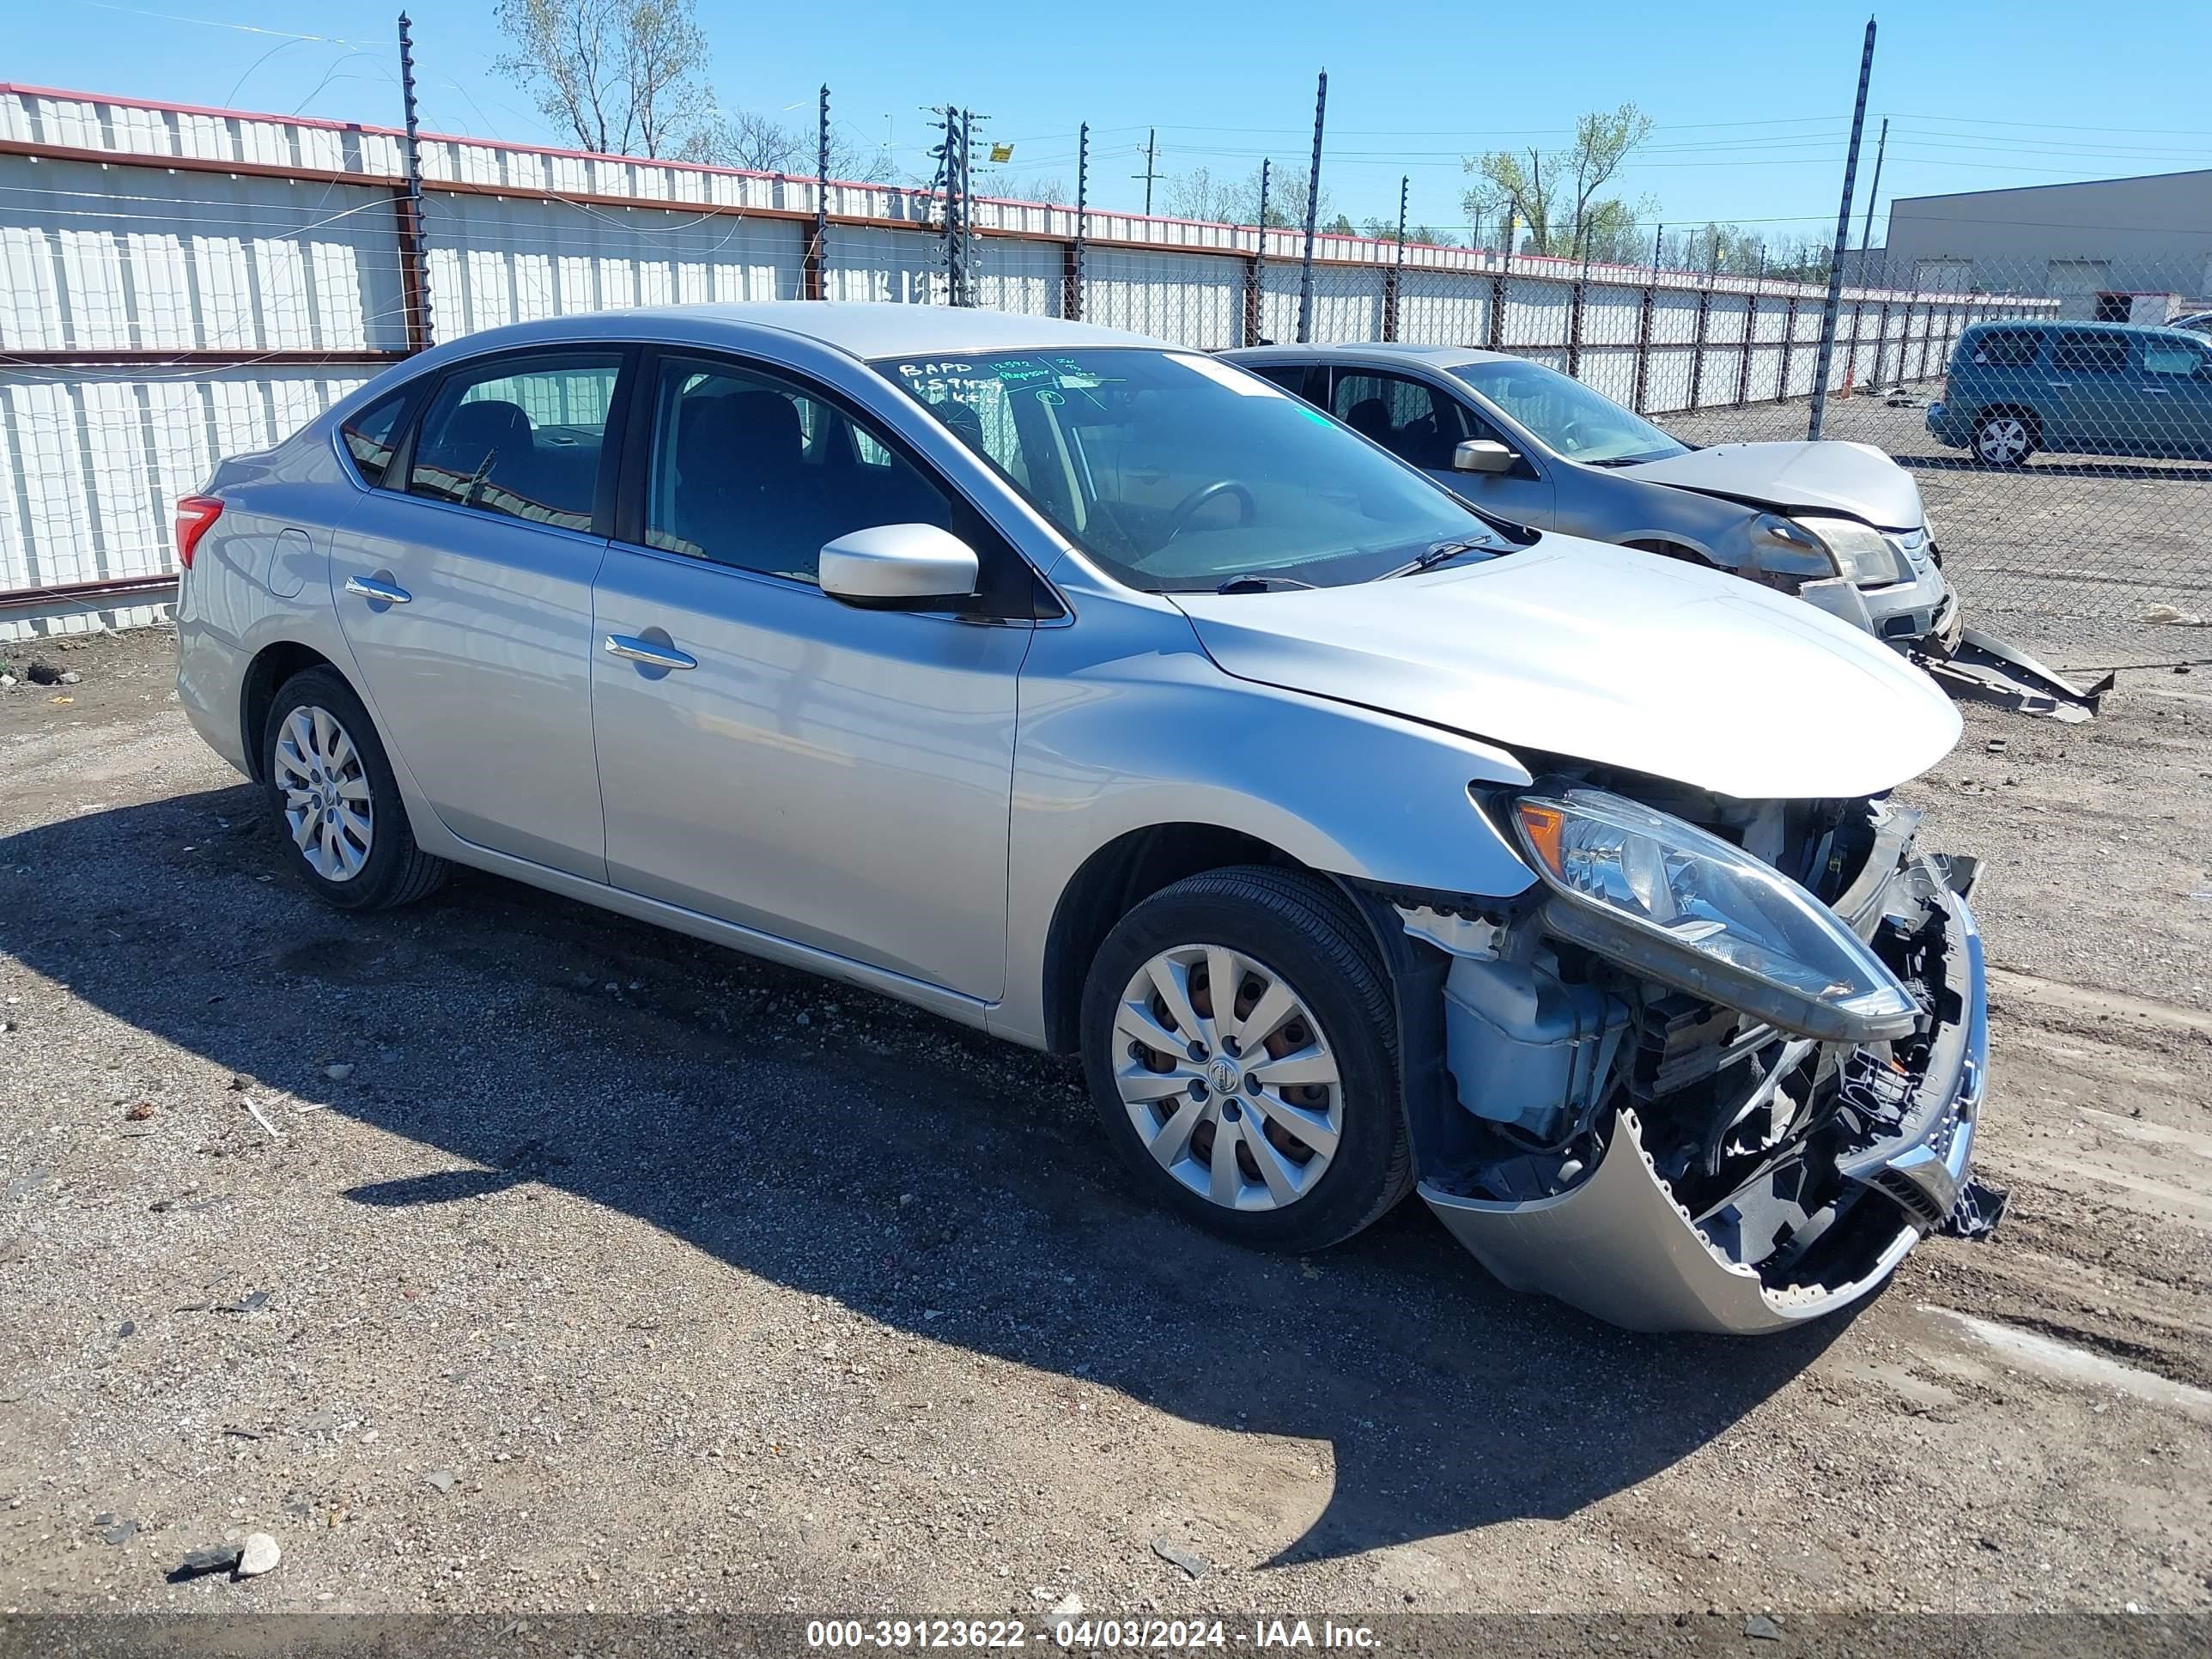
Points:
[[1305, 932], [396, 871], [1992, 426]]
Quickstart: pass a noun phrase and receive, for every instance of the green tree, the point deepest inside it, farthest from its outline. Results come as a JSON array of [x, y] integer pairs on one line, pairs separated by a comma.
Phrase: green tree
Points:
[[1551, 196]]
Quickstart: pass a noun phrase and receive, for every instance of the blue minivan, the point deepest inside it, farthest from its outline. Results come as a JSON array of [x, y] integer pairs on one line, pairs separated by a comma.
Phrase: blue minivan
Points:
[[2080, 388]]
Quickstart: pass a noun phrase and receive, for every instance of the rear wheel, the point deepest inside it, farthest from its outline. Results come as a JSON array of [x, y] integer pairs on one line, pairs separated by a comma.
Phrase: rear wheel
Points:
[[334, 799], [1239, 1041], [2003, 437]]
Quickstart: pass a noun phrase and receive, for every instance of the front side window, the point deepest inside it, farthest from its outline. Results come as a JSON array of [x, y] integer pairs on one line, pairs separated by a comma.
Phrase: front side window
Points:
[[2177, 358], [1567, 418], [1178, 473], [754, 471], [1410, 418], [2087, 353], [522, 439], [370, 436]]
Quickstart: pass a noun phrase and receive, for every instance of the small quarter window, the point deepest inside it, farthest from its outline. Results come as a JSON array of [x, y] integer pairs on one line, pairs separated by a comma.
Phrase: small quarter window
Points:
[[371, 434]]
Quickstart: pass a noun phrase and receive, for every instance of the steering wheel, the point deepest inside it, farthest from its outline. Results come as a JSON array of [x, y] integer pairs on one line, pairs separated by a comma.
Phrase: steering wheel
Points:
[[1187, 508]]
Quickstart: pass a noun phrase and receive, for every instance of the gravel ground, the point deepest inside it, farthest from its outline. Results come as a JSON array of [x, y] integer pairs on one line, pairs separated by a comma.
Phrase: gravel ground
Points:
[[502, 1254]]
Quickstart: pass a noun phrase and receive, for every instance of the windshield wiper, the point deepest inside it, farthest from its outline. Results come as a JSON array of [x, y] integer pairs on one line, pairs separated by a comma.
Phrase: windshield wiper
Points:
[[1260, 584], [1442, 552]]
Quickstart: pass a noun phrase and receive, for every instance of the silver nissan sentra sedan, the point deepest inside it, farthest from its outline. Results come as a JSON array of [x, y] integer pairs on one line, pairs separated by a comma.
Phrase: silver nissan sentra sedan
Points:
[[1098, 694]]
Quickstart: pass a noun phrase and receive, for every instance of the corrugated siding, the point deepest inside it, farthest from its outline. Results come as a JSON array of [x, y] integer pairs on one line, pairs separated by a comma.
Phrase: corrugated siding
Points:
[[101, 258]]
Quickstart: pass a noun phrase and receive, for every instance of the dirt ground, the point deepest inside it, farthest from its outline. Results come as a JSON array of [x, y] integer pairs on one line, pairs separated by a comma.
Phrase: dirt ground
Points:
[[501, 1254]]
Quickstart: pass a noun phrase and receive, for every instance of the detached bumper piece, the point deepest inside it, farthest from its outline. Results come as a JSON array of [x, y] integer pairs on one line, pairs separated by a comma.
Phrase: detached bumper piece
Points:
[[1983, 669], [1754, 1229]]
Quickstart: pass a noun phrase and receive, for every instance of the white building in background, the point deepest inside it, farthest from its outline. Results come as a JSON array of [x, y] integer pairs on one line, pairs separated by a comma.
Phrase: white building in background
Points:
[[2104, 247]]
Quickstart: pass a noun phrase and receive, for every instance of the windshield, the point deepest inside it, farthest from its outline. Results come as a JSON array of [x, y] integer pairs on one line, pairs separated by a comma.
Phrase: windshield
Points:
[[1180, 474], [1568, 418]]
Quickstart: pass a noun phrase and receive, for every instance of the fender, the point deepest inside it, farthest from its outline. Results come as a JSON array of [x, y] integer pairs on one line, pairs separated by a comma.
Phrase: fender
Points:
[[1166, 736]]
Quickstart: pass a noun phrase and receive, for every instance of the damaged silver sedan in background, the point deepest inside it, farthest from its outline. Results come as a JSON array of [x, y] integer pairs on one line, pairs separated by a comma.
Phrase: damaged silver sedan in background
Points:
[[1101, 696]]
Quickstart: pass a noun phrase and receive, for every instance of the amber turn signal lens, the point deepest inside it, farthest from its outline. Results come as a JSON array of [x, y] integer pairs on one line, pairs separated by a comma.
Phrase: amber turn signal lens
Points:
[[1543, 826]]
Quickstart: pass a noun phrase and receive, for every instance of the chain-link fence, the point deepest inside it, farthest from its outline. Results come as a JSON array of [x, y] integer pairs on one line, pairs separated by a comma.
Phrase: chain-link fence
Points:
[[184, 284]]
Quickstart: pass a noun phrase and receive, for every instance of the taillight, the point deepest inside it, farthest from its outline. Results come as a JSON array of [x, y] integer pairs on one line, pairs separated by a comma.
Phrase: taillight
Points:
[[196, 514]]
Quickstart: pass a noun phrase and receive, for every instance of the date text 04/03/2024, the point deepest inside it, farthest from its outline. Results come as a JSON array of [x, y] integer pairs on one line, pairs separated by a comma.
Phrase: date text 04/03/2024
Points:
[[1100, 1634]]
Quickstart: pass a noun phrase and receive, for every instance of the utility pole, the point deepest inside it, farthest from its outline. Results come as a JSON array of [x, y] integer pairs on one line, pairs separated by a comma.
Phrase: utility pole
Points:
[[1313, 210], [414, 272], [1658, 241], [1827, 354], [948, 177], [1866, 235], [967, 210], [1151, 166], [817, 255]]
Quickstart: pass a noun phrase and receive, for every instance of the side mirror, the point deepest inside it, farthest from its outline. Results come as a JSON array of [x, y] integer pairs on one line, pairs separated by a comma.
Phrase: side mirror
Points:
[[899, 566], [1483, 455]]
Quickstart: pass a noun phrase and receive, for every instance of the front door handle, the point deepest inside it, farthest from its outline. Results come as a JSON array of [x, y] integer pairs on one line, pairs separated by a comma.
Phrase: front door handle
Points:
[[380, 593], [645, 651], [2060, 385]]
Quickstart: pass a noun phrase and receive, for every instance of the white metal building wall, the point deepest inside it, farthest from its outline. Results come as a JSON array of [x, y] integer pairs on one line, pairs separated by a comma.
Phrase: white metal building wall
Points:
[[271, 247]]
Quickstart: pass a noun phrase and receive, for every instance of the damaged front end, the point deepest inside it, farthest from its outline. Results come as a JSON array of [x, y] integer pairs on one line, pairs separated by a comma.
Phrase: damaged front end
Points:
[[1719, 1072]]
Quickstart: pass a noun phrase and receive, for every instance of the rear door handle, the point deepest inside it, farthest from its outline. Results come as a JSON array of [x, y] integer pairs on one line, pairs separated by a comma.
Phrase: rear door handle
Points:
[[380, 593], [2155, 391], [646, 651]]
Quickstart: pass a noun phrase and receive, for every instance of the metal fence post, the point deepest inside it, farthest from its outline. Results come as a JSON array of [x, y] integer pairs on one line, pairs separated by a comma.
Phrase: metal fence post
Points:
[[1396, 274], [414, 273], [812, 270], [1255, 273], [1313, 212], [1843, 236], [1698, 344], [1071, 304]]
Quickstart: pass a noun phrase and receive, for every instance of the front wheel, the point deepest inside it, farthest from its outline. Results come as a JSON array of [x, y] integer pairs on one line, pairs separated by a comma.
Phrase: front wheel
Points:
[[1240, 1043], [2003, 438]]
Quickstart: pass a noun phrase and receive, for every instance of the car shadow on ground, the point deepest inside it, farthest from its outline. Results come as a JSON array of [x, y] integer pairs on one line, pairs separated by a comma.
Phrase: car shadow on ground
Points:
[[929, 1177]]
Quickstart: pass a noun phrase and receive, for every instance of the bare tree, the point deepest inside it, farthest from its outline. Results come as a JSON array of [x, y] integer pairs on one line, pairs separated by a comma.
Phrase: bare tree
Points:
[[1198, 194], [748, 139], [626, 77], [1552, 196]]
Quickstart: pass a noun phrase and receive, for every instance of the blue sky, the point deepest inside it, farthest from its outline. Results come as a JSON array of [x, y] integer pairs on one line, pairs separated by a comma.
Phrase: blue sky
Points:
[[1753, 101]]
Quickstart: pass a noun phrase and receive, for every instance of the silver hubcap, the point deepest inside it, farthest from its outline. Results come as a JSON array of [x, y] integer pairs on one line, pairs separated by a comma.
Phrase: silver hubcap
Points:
[[2004, 439], [1227, 1077], [327, 799]]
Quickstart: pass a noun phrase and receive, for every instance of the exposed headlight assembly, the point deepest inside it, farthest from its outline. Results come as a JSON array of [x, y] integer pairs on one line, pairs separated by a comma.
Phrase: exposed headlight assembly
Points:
[[1686, 909], [1785, 548], [1862, 553]]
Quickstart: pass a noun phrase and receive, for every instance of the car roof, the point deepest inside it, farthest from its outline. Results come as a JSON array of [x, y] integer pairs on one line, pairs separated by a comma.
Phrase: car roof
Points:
[[1437, 357], [863, 329], [2151, 330]]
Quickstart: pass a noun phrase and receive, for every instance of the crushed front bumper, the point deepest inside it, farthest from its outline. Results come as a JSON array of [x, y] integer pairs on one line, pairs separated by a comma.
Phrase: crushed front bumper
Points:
[[1620, 1245]]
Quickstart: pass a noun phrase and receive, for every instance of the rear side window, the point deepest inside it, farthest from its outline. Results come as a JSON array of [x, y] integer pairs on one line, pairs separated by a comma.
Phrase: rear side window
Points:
[[2007, 348], [521, 439], [371, 434], [2085, 353]]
